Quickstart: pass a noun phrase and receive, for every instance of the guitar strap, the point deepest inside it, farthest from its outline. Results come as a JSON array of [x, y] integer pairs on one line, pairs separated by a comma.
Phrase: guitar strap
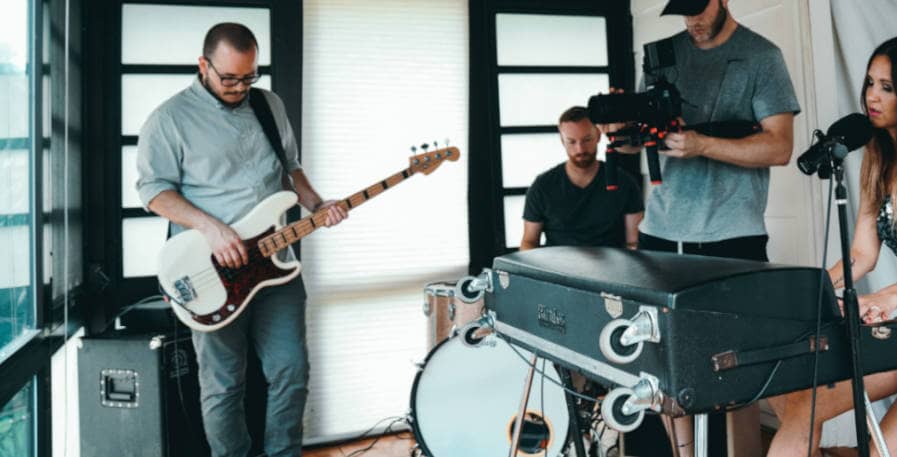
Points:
[[263, 113], [265, 116]]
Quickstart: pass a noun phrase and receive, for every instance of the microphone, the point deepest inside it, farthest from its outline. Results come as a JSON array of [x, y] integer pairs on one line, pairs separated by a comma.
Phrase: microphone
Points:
[[846, 134]]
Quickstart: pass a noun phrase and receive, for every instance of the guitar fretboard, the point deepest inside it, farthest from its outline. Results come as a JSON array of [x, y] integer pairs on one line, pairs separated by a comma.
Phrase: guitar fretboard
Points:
[[294, 232]]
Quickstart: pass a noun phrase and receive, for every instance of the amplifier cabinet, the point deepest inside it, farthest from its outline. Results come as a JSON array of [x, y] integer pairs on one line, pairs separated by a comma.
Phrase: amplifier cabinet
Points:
[[139, 396]]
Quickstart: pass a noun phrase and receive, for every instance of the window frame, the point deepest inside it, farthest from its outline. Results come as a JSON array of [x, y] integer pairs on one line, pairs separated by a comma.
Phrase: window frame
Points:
[[29, 359], [486, 191], [105, 242]]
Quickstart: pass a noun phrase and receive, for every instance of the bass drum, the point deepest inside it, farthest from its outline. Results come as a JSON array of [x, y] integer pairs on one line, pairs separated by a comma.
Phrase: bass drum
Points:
[[466, 397]]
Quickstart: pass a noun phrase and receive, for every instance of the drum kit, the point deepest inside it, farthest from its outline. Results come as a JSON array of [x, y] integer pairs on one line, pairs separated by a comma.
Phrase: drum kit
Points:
[[466, 396]]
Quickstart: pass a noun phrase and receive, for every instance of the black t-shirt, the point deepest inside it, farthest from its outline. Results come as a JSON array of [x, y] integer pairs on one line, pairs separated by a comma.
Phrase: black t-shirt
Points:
[[590, 216]]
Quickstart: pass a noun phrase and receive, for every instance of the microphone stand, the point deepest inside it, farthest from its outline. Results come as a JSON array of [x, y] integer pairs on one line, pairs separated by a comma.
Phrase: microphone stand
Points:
[[852, 306]]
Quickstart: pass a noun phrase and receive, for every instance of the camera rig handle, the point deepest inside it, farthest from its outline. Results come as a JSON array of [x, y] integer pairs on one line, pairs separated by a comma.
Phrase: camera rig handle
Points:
[[651, 138]]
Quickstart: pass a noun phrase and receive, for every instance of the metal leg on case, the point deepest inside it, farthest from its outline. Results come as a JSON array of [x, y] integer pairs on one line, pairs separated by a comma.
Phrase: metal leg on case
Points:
[[518, 424], [575, 432], [701, 435], [875, 429]]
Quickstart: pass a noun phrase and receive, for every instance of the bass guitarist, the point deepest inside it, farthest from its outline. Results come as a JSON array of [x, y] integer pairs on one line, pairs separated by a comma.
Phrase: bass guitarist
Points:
[[204, 160]]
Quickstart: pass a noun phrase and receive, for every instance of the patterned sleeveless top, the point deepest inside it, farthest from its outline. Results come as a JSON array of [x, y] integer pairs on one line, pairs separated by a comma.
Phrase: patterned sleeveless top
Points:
[[885, 222]]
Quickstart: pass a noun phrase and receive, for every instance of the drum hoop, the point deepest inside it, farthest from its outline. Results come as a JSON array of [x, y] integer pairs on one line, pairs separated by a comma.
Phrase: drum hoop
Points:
[[413, 407], [415, 429], [449, 291]]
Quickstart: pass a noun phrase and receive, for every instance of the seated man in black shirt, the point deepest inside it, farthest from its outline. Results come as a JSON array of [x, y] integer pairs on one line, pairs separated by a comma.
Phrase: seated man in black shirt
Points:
[[571, 203]]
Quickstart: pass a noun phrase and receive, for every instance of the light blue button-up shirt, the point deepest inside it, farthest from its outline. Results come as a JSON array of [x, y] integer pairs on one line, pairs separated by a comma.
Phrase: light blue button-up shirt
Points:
[[217, 157]]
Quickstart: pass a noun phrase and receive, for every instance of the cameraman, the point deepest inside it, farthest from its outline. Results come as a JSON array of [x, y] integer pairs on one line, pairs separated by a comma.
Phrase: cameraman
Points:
[[714, 190]]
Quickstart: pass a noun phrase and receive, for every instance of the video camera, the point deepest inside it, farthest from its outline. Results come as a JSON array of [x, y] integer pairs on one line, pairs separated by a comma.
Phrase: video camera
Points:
[[659, 105], [653, 114]]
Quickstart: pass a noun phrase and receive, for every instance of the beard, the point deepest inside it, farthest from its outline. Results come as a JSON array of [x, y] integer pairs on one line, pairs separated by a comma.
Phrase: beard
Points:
[[719, 21], [242, 93], [584, 160]]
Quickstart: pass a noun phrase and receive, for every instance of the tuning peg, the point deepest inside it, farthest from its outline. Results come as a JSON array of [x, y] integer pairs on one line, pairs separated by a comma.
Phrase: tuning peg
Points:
[[413, 149], [425, 146]]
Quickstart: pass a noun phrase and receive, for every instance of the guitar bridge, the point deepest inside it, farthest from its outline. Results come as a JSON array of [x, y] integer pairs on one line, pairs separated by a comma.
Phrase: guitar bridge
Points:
[[185, 289]]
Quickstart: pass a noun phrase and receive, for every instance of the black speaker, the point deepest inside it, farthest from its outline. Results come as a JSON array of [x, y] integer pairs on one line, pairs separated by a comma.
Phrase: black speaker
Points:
[[139, 396]]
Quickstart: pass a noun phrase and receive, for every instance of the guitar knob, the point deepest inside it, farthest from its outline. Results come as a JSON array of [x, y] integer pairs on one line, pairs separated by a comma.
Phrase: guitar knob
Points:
[[425, 146], [413, 149]]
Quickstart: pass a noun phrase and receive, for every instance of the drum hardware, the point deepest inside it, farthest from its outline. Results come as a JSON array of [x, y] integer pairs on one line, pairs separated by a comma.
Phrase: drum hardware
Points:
[[472, 288], [621, 340], [518, 424]]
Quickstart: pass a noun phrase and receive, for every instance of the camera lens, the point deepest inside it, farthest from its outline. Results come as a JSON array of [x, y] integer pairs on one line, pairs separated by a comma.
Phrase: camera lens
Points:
[[607, 108]]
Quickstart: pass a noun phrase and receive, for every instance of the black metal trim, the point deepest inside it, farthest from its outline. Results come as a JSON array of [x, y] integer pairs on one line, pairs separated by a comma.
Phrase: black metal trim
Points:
[[536, 70], [229, 3], [21, 366], [512, 191], [36, 203], [131, 213], [528, 129], [169, 69]]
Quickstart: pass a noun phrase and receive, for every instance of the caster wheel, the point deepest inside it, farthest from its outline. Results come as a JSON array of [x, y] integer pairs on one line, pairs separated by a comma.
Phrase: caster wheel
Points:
[[612, 411], [464, 293], [612, 348]]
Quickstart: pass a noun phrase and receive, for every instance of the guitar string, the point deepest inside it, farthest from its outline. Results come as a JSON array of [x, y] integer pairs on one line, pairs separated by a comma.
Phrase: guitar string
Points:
[[203, 279], [304, 221]]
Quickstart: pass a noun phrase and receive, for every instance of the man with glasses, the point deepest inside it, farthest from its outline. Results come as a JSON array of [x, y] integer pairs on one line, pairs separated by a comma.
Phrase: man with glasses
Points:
[[204, 161]]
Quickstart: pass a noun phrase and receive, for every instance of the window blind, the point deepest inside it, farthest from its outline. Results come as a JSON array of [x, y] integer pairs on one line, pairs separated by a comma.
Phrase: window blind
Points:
[[377, 79]]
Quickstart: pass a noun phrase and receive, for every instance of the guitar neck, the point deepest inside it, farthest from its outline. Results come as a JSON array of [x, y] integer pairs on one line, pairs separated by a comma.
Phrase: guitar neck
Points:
[[294, 232]]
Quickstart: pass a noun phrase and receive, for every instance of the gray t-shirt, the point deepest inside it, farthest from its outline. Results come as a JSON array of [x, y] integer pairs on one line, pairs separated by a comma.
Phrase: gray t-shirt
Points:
[[703, 200]]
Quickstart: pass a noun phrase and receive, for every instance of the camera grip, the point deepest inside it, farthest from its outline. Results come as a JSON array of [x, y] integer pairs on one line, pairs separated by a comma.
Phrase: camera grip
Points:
[[610, 169], [653, 162]]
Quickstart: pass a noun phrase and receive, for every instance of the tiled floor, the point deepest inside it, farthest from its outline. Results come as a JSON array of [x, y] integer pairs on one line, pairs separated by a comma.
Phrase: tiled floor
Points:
[[397, 445]]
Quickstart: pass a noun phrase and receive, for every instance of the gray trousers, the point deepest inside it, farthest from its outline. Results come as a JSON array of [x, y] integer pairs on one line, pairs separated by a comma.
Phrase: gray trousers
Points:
[[274, 323]]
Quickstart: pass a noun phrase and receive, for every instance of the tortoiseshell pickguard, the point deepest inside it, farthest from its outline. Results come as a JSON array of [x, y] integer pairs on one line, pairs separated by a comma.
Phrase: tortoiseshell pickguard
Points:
[[240, 282]]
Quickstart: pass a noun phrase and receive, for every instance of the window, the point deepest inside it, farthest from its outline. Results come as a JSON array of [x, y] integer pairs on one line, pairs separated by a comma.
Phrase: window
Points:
[[17, 307], [17, 424], [547, 57], [378, 78], [151, 74], [546, 64]]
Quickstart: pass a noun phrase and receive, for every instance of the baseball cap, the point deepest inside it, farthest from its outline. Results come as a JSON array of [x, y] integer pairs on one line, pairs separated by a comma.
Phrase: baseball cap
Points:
[[685, 7]]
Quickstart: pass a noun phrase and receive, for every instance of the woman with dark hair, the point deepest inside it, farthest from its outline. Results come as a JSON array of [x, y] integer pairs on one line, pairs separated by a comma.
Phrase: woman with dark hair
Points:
[[875, 225]]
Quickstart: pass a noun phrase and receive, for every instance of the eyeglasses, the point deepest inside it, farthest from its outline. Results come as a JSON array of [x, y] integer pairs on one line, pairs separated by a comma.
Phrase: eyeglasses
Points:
[[231, 81]]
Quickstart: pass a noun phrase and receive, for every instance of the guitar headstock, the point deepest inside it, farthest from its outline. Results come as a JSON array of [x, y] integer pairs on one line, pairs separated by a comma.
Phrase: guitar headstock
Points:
[[428, 161]]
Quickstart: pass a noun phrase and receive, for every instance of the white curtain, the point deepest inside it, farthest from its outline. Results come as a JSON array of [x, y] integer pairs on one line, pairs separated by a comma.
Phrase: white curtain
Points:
[[859, 26], [379, 77]]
